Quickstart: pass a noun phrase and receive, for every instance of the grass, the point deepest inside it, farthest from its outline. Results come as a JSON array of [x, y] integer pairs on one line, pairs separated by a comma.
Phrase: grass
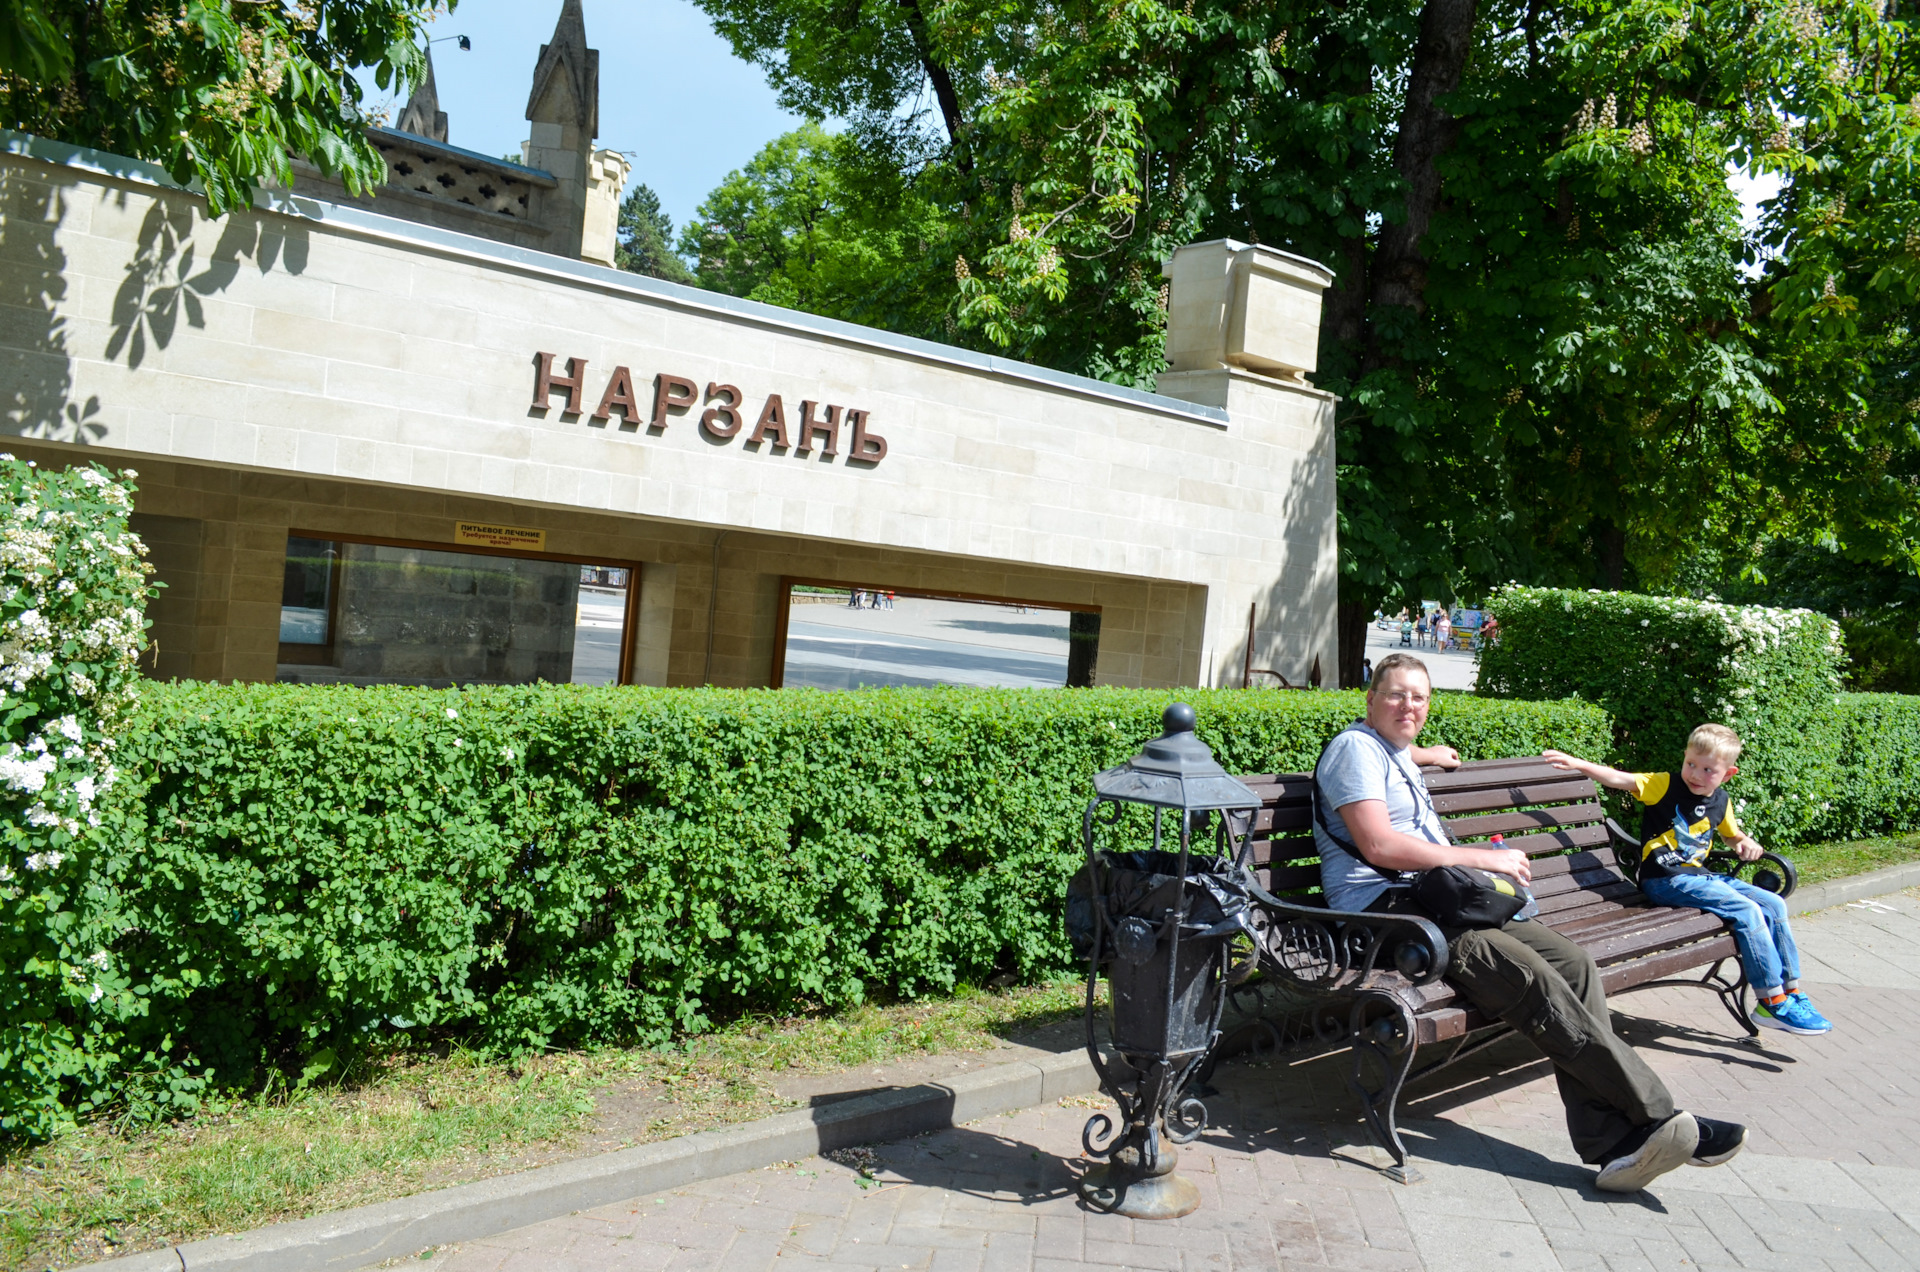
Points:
[[1819, 862], [407, 1121]]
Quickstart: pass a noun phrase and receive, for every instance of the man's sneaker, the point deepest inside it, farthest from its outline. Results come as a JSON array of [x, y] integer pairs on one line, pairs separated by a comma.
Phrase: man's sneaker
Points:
[[1719, 1142], [1662, 1147], [1806, 1005], [1796, 1016]]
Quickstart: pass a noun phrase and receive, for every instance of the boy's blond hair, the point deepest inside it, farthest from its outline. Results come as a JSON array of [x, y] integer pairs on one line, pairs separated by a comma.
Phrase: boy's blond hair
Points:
[[1716, 740]]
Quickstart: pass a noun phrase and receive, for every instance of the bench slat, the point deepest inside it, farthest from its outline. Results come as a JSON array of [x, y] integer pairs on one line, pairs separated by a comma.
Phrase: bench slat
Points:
[[1619, 977], [1473, 801], [1456, 785], [1533, 819], [1685, 931]]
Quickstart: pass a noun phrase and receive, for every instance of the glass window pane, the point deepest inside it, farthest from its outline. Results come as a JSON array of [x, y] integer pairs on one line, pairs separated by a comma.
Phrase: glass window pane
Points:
[[848, 639], [420, 616], [307, 593]]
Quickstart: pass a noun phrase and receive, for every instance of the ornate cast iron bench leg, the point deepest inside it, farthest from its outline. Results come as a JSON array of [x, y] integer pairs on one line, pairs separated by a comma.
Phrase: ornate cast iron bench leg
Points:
[[1732, 993], [1389, 1040]]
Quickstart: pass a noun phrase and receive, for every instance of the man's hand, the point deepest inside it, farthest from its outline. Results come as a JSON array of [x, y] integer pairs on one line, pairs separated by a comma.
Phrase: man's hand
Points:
[[1747, 848], [1510, 862], [1439, 756]]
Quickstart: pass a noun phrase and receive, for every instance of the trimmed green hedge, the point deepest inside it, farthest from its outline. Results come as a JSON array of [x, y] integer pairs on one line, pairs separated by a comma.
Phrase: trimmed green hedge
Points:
[[300, 869], [1876, 790], [1662, 665]]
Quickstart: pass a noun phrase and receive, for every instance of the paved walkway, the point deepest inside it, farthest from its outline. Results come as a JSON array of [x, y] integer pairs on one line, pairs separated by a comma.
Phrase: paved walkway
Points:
[[1830, 1178]]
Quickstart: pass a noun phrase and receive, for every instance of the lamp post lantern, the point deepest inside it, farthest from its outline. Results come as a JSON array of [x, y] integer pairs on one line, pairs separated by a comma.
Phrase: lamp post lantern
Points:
[[1160, 924]]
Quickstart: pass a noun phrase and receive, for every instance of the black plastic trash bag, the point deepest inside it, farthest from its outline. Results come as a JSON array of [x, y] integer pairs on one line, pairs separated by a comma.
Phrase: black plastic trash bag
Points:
[[1145, 885]]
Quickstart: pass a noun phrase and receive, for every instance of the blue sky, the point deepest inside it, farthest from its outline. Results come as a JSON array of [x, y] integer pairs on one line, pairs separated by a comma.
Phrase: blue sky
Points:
[[672, 94]]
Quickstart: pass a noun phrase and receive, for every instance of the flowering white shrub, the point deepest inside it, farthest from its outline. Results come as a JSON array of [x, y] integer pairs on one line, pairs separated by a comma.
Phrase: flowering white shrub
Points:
[[72, 624], [73, 589], [1663, 664]]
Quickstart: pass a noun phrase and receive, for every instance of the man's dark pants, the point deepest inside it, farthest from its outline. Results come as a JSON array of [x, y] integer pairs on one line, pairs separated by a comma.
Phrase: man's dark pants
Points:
[[1548, 989]]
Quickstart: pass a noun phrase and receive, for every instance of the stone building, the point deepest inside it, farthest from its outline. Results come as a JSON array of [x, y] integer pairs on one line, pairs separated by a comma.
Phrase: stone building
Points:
[[430, 438], [562, 197]]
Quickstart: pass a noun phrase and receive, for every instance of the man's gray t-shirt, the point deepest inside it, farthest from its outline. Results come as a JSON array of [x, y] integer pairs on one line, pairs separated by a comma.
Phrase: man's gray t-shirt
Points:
[[1355, 766]]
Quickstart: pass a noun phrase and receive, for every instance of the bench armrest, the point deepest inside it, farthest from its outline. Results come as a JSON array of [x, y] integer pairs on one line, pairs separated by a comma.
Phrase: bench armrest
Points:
[[1317, 948], [1771, 873]]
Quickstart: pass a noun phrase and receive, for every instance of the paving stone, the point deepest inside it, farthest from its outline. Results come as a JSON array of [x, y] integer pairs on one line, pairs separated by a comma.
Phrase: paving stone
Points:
[[1830, 1181]]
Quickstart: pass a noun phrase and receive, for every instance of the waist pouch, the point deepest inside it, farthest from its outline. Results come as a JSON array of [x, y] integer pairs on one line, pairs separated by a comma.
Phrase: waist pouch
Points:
[[1465, 897]]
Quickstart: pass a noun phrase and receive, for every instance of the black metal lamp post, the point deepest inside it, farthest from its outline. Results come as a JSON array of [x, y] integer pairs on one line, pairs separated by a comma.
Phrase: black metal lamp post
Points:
[[1161, 924]]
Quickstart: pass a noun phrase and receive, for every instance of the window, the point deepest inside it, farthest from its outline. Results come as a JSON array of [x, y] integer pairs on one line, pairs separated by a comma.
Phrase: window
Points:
[[409, 614], [838, 637]]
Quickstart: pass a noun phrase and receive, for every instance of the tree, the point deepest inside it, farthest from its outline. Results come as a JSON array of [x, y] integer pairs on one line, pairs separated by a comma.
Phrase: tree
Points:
[[822, 221], [222, 92], [645, 236], [1562, 357]]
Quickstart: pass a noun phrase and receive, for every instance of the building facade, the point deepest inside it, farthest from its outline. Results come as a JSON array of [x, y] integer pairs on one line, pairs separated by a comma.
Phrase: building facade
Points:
[[376, 447]]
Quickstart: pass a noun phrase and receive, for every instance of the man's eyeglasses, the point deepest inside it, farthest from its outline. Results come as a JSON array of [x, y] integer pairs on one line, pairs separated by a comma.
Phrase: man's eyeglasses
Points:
[[1400, 698]]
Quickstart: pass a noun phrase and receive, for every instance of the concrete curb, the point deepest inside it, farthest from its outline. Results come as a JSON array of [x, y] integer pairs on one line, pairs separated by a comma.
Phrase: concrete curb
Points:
[[1875, 883], [349, 1239]]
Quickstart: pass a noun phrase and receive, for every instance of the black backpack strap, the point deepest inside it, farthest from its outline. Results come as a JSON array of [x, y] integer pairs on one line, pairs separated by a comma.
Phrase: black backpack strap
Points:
[[1421, 800]]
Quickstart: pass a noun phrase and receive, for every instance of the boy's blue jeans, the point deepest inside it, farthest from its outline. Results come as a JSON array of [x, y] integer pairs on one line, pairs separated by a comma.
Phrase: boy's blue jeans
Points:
[[1759, 920]]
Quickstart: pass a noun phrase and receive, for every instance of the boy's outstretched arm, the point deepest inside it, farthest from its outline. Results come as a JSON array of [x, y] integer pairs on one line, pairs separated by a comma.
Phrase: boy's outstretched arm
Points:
[[1610, 777]]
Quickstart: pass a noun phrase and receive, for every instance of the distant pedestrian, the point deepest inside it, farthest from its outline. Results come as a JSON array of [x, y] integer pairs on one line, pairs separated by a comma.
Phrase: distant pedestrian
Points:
[[1442, 629], [1420, 630], [1366, 671]]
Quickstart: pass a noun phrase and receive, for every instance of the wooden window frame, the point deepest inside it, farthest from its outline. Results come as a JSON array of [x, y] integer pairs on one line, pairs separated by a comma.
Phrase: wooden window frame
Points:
[[627, 627]]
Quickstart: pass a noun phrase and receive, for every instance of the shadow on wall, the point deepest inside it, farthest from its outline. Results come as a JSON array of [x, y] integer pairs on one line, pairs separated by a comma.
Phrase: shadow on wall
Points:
[[161, 286], [1285, 638], [39, 367]]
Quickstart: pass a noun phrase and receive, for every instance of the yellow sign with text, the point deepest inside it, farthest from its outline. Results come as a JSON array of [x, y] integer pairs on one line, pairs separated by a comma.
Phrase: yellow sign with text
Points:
[[482, 535]]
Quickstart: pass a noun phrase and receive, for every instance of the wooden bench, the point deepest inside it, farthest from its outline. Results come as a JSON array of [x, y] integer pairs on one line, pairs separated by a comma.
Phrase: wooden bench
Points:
[[1374, 983]]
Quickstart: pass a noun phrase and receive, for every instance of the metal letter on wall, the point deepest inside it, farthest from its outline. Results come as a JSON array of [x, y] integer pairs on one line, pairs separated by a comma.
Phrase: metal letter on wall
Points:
[[670, 390], [828, 428], [545, 382], [868, 448], [772, 423], [728, 410], [619, 394]]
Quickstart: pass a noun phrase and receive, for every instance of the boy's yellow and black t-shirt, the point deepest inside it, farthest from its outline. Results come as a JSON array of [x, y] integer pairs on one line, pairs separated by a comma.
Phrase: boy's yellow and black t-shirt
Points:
[[1677, 826]]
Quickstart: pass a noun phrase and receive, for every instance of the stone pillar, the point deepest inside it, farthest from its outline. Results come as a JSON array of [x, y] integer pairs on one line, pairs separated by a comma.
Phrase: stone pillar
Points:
[[564, 109], [606, 179], [1243, 331]]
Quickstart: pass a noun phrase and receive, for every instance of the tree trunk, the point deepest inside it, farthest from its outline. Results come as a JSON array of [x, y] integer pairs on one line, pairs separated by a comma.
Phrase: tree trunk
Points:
[[1610, 554], [1426, 133], [943, 90], [1352, 618]]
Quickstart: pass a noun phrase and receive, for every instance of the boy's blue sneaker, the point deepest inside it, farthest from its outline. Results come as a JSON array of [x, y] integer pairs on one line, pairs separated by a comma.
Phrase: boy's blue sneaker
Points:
[[1806, 1005], [1796, 1015]]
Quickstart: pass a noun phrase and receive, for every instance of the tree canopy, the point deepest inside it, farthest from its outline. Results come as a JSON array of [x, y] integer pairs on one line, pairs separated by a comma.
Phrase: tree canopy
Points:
[[1562, 355], [644, 237], [222, 92]]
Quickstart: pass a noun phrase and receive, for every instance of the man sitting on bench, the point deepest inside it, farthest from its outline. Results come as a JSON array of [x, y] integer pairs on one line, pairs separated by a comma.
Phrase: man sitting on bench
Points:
[[1376, 827]]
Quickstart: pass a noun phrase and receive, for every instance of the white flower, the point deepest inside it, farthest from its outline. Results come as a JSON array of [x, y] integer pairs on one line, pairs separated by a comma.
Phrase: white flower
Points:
[[96, 994], [1644, 622], [452, 714], [92, 477], [69, 728], [44, 860], [457, 742], [27, 775], [507, 751], [100, 959]]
